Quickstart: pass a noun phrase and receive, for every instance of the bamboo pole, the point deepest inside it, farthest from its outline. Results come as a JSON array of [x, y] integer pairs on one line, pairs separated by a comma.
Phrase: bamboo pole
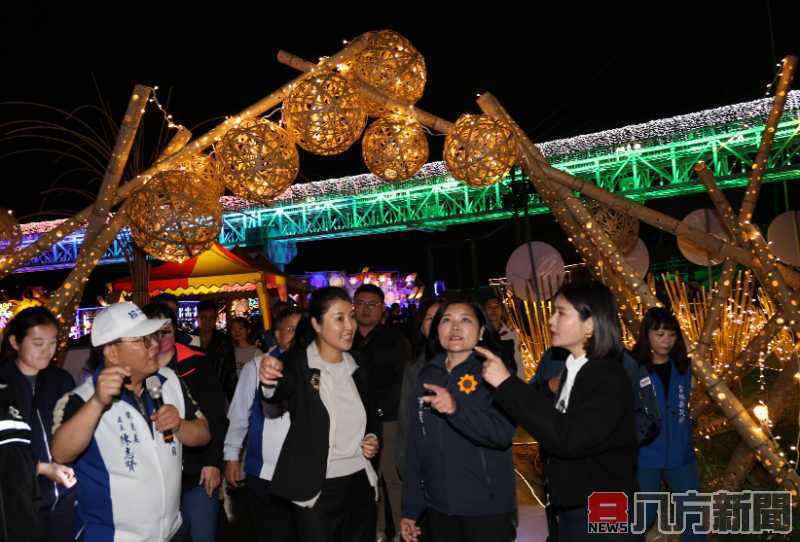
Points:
[[531, 158], [789, 64], [72, 288], [8, 265]]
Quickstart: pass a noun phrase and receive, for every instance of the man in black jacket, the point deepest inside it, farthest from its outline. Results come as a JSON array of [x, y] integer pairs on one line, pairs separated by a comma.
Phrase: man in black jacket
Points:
[[217, 346], [201, 466], [384, 352]]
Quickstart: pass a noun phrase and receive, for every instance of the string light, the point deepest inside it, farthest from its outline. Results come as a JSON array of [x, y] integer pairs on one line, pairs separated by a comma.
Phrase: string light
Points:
[[167, 117]]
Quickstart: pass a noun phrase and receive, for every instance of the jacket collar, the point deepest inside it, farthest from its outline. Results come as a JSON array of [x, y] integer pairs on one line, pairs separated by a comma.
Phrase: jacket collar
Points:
[[315, 361]]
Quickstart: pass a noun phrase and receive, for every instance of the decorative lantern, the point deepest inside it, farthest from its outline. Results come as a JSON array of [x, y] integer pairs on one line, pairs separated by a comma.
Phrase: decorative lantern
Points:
[[394, 147], [10, 233], [392, 65], [480, 150], [175, 217], [258, 160], [622, 229], [207, 168], [324, 113]]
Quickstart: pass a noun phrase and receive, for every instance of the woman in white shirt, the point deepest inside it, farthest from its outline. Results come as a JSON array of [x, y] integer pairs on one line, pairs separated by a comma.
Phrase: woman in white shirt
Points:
[[324, 466]]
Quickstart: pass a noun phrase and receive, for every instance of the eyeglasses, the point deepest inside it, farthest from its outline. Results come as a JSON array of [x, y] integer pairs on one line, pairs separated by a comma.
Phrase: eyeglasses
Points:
[[147, 340]]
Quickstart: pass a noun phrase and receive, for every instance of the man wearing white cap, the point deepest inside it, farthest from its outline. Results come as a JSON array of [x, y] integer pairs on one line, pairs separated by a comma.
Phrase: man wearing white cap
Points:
[[125, 438]]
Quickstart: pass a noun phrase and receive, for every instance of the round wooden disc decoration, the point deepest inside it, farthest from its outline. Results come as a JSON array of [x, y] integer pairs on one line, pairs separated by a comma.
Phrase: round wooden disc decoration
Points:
[[324, 114], [705, 220], [175, 217], [621, 228], [258, 160], [207, 168], [394, 147], [10, 233], [784, 237], [391, 64], [479, 150], [639, 258], [535, 271]]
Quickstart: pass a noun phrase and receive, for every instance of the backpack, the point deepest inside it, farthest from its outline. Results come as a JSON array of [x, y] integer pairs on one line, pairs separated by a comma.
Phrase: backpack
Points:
[[648, 418]]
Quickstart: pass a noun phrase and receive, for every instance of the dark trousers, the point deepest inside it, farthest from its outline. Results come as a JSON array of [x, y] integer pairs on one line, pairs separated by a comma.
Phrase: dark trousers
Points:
[[58, 525], [490, 528], [272, 517], [344, 512]]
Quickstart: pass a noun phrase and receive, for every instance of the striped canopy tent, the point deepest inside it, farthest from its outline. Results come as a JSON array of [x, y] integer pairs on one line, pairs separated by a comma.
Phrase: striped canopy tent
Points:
[[216, 272]]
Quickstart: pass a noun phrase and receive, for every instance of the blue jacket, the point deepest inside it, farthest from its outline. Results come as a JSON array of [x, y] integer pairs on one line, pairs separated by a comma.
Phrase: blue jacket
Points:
[[673, 446], [458, 464], [37, 410]]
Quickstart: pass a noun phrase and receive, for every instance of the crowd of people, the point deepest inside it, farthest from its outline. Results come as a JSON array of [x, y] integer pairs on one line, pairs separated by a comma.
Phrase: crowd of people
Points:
[[346, 421]]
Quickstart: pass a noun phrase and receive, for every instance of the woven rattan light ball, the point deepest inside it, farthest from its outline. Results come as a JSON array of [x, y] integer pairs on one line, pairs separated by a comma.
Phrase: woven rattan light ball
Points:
[[207, 168], [175, 217], [479, 150], [392, 65], [622, 229], [324, 114], [394, 147], [258, 160], [10, 233]]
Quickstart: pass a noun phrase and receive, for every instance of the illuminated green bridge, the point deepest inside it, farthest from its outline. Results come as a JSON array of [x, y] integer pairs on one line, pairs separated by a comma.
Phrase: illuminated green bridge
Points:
[[645, 161]]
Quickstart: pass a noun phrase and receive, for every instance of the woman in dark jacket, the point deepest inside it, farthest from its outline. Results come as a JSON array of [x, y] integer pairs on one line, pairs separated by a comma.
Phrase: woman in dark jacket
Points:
[[670, 457], [458, 467], [324, 466], [588, 436], [28, 348]]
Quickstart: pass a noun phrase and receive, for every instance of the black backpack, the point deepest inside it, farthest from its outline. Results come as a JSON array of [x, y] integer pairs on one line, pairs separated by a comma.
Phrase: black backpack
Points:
[[648, 418]]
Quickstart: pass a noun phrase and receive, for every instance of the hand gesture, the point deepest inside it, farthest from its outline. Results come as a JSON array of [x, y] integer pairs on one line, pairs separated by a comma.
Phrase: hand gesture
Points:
[[271, 370], [59, 474], [210, 478], [441, 400], [495, 371], [233, 473], [409, 530], [167, 418], [109, 384], [370, 446]]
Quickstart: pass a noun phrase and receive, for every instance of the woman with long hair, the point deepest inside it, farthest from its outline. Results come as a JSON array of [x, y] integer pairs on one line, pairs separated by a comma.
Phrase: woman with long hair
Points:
[[458, 466], [588, 435], [244, 346], [670, 457], [324, 465], [29, 345]]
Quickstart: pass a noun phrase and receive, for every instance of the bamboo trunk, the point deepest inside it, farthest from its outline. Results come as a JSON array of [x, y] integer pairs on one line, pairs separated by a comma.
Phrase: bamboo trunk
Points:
[[8, 265]]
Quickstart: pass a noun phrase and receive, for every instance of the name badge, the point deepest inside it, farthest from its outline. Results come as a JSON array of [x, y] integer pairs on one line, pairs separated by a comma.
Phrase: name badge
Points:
[[643, 383]]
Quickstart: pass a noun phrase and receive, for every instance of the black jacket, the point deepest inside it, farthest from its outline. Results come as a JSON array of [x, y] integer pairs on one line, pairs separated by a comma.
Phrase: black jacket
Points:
[[193, 369], [458, 464], [36, 409], [302, 464], [591, 447], [18, 518], [384, 353], [222, 357]]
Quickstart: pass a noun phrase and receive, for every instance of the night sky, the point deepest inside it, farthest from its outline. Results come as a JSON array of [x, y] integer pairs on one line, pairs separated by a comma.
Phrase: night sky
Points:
[[560, 71]]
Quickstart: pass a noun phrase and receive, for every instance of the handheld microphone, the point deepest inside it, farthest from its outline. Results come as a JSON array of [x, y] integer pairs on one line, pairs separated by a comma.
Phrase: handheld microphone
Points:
[[153, 385]]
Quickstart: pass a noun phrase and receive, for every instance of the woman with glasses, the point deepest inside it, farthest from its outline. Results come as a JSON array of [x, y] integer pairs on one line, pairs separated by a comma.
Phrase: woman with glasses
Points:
[[28, 348]]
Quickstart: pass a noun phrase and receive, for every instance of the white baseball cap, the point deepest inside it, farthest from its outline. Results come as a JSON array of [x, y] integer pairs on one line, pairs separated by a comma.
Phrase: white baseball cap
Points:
[[123, 320]]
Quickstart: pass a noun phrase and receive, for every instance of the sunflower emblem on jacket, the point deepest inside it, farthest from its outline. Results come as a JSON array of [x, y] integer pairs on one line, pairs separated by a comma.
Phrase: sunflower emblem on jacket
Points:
[[467, 384]]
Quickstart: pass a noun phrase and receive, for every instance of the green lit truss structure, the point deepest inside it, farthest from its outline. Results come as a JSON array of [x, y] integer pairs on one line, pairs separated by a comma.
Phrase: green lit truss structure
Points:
[[643, 162]]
